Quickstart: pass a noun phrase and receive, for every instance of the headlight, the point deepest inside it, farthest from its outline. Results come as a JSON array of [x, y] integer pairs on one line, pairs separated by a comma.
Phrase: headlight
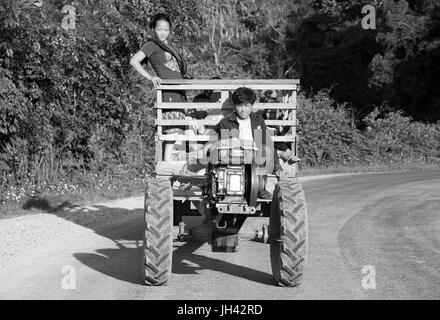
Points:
[[235, 182]]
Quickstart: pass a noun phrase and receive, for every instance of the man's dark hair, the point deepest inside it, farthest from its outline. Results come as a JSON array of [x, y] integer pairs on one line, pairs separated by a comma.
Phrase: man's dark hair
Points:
[[244, 95], [158, 17]]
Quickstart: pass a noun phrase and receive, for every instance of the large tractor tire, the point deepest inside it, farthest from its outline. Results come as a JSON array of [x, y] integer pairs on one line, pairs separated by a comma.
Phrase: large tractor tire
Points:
[[288, 233], [158, 235]]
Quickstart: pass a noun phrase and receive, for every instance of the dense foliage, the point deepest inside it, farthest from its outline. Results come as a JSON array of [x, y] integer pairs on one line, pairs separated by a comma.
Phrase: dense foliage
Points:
[[395, 62], [328, 136], [72, 108]]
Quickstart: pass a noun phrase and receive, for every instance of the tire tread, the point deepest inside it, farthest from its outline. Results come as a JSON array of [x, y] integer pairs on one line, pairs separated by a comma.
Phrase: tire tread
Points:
[[288, 223], [158, 240]]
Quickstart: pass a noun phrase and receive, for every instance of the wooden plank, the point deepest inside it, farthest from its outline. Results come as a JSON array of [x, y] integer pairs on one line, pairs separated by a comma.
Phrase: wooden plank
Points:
[[215, 105], [157, 154], [283, 138], [188, 122], [224, 96], [206, 86], [159, 146], [181, 137], [280, 123], [193, 122], [188, 105], [292, 99], [231, 81], [288, 97]]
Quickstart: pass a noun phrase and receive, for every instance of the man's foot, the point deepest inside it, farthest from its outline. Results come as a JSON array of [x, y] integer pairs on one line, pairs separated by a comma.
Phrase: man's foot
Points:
[[264, 194]]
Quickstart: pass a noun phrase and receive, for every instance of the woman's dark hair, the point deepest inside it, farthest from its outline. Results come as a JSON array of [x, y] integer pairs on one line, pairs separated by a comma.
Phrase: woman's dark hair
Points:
[[244, 95], [201, 98], [158, 17]]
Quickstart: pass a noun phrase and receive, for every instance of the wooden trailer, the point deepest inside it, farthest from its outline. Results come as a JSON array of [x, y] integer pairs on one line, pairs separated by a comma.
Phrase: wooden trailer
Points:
[[286, 103]]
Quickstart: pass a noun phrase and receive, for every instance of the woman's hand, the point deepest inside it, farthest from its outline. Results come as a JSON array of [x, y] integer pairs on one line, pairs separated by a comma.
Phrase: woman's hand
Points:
[[156, 82], [289, 156]]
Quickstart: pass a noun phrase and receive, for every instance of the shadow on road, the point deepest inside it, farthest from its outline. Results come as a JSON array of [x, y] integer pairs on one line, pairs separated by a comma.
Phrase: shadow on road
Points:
[[125, 262], [44, 205], [186, 253]]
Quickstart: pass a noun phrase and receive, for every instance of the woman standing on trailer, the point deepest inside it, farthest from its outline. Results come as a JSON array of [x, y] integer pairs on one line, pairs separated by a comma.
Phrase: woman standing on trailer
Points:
[[165, 60], [167, 64]]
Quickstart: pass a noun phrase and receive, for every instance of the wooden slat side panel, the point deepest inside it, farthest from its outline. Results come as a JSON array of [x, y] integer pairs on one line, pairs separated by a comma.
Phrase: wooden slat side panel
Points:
[[159, 145], [293, 116], [208, 106], [283, 138], [226, 86], [231, 81], [196, 122], [189, 122], [182, 137]]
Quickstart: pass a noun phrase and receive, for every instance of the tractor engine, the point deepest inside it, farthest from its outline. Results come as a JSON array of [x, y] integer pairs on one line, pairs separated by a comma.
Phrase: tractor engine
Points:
[[231, 192], [233, 189]]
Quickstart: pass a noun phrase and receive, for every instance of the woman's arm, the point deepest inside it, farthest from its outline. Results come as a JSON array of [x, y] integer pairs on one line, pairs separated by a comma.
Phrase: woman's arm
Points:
[[135, 62]]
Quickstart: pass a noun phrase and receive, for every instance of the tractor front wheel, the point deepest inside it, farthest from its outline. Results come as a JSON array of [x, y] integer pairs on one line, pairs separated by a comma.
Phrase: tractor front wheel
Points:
[[288, 232], [158, 235]]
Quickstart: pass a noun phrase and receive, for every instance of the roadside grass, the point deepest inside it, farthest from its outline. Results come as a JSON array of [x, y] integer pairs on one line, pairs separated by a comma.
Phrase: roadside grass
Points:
[[48, 201], [127, 186], [376, 168]]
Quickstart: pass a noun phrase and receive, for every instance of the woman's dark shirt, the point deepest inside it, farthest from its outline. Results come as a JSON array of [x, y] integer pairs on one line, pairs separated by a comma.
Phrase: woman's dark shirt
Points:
[[164, 63]]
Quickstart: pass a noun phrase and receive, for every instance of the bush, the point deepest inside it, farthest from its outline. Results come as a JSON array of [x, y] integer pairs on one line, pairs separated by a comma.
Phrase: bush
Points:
[[74, 115], [326, 135], [391, 137]]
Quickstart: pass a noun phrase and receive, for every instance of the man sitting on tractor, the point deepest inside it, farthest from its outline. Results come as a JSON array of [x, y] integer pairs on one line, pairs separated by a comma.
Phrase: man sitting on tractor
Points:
[[245, 125]]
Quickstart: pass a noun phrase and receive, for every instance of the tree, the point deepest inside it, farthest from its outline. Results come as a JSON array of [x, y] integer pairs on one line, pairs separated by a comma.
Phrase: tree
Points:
[[75, 81], [221, 25]]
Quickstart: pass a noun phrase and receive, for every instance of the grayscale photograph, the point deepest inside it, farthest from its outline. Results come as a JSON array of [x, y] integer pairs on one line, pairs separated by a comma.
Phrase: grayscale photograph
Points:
[[220, 150]]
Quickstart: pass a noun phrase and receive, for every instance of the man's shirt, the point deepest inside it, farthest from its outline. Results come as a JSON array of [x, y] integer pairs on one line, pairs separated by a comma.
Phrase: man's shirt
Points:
[[245, 129]]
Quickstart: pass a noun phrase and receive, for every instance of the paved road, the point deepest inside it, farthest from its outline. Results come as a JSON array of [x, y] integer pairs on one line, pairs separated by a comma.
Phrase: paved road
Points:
[[387, 221]]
